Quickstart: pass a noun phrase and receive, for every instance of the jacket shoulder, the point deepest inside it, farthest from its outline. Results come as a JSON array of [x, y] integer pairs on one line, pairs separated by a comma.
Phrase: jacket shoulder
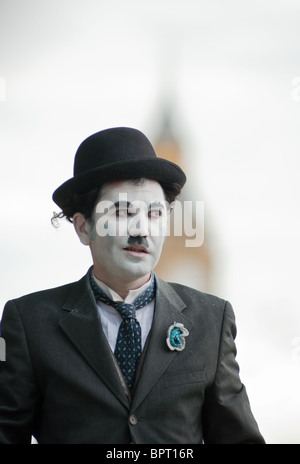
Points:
[[189, 294], [48, 298], [204, 304]]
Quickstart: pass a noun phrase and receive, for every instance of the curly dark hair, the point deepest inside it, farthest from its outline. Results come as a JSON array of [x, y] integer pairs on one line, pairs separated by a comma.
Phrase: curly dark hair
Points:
[[85, 203]]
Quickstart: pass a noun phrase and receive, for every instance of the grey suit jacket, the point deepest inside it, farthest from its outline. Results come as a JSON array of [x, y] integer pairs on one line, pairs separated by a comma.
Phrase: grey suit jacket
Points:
[[61, 383]]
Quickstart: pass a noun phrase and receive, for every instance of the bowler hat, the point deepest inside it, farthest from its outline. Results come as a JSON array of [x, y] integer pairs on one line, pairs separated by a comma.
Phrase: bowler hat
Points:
[[113, 154]]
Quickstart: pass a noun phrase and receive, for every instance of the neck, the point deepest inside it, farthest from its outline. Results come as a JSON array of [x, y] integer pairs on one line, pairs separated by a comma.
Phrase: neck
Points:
[[123, 286]]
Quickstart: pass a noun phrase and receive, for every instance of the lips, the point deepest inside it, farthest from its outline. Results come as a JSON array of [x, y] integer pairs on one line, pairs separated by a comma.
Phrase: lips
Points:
[[137, 249]]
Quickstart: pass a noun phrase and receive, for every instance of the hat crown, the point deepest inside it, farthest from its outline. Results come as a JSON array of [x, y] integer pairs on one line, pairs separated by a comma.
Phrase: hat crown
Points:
[[112, 155], [112, 146]]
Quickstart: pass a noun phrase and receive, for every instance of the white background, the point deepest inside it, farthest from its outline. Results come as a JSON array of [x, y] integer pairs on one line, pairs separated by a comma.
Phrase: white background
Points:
[[69, 68]]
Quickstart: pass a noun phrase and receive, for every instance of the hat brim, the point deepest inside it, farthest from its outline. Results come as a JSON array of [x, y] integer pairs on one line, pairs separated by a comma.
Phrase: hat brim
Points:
[[157, 169]]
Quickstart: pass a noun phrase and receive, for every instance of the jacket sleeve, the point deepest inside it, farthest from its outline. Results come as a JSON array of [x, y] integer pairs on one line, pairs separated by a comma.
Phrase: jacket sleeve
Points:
[[18, 388], [227, 417]]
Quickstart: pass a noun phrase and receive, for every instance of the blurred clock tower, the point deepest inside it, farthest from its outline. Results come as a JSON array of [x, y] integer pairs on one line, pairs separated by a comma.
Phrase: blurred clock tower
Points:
[[190, 266]]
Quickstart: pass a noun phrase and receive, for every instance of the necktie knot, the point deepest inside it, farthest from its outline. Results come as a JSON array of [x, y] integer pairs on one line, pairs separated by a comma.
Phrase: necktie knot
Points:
[[127, 311]]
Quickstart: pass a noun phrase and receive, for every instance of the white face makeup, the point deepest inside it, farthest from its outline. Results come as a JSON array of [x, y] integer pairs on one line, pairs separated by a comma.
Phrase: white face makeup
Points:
[[129, 231]]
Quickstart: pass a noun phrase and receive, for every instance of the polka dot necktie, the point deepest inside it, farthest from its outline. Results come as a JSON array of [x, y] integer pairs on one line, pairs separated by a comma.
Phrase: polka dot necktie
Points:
[[129, 341]]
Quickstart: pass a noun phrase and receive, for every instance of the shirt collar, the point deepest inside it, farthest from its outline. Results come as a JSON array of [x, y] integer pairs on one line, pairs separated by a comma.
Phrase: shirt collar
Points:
[[132, 295]]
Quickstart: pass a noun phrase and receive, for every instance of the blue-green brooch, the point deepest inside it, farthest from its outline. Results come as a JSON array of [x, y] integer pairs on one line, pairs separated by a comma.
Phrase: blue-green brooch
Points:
[[176, 336]]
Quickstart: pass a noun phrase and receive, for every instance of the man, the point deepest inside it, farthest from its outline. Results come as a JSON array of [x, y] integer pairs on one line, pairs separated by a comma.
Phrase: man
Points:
[[121, 356]]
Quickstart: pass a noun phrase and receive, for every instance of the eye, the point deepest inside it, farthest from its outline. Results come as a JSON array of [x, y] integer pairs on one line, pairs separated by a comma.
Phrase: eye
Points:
[[155, 212], [123, 212]]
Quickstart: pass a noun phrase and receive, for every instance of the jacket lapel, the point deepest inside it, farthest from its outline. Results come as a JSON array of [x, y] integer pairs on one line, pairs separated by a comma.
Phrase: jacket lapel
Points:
[[82, 325], [168, 309]]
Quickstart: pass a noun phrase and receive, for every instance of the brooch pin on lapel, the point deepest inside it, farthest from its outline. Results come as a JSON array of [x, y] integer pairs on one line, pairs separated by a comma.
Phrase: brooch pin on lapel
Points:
[[176, 336]]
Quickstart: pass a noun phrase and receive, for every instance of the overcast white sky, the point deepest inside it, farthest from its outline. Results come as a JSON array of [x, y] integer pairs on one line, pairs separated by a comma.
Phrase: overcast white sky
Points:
[[69, 68]]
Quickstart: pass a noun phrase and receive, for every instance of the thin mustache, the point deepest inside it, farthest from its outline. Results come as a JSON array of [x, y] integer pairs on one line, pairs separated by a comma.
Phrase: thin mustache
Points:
[[142, 241]]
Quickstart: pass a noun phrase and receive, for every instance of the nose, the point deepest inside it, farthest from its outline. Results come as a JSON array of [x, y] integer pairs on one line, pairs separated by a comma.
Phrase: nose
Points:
[[139, 225]]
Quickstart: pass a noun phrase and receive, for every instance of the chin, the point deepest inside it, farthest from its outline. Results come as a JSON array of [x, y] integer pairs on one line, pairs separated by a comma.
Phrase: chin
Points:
[[135, 272]]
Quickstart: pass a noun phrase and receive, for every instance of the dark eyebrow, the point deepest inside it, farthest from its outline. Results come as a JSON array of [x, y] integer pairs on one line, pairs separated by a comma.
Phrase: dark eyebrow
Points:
[[122, 204], [127, 204]]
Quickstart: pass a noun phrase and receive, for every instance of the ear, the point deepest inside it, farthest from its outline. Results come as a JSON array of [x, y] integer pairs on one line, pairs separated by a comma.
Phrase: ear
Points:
[[82, 228]]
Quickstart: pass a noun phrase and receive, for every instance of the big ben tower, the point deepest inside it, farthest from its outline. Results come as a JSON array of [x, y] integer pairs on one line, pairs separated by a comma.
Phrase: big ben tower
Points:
[[190, 266]]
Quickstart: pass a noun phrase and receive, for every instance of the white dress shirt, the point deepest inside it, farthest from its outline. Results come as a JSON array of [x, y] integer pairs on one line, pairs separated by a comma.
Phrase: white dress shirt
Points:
[[111, 319]]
